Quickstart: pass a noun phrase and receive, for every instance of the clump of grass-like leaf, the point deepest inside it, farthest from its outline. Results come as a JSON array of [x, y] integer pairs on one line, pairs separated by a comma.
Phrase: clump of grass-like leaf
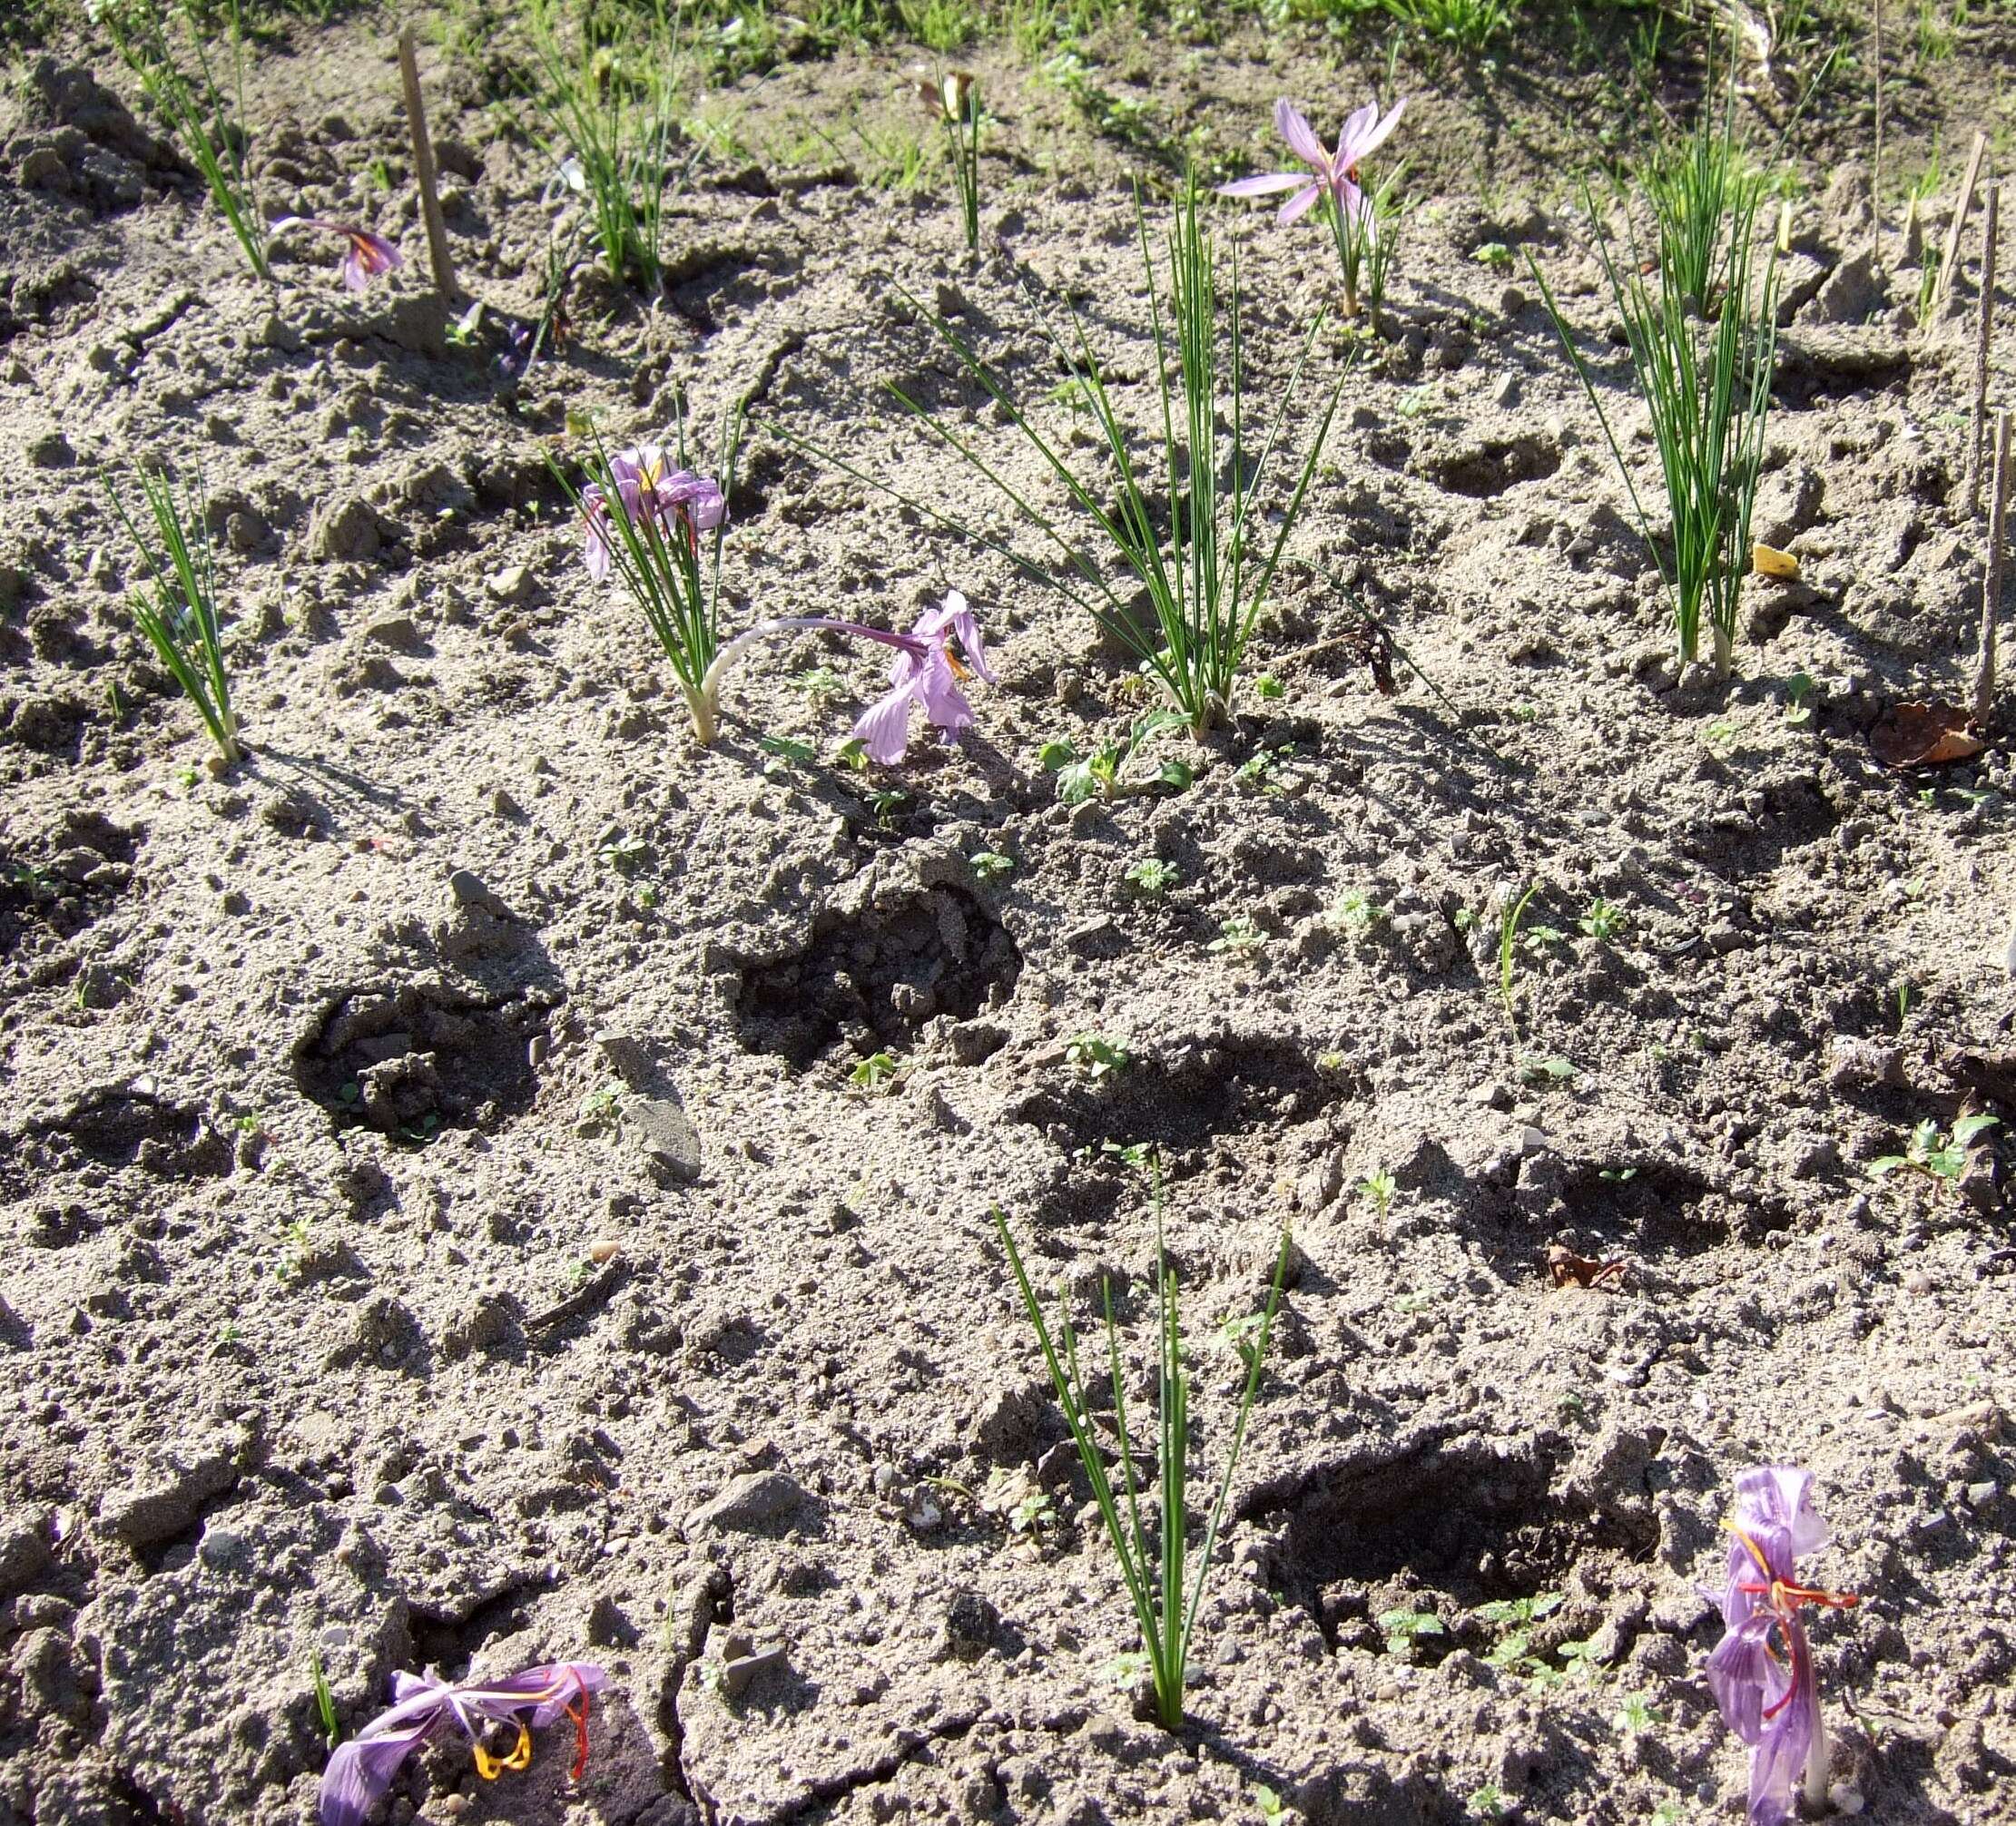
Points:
[[1200, 555], [188, 97], [177, 609], [955, 100], [1700, 312], [1152, 1549], [646, 515], [609, 100]]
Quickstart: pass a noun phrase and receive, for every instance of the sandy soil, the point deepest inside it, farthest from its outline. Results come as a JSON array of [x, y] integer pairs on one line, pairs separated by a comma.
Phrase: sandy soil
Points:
[[443, 1227]]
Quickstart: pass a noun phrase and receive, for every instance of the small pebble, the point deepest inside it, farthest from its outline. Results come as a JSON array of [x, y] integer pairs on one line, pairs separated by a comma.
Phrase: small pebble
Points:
[[1844, 1799], [604, 1249]]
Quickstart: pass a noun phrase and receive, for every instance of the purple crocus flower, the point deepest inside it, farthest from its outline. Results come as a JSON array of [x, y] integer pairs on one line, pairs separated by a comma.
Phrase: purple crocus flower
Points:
[[360, 1771], [367, 255], [652, 492], [926, 672], [1762, 1672], [1332, 174]]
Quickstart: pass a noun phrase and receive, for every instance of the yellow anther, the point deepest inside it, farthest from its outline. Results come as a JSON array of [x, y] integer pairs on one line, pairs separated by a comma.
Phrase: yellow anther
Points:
[[490, 1767]]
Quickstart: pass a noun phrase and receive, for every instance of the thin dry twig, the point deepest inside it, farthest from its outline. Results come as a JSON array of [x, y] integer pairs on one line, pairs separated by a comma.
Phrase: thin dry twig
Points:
[[1875, 153], [423, 168], [1991, 586], [1950, 258], [1977, 425]]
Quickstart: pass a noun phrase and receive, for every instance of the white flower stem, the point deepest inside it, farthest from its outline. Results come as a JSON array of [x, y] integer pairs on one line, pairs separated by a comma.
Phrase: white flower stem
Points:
[[1818, 1761]]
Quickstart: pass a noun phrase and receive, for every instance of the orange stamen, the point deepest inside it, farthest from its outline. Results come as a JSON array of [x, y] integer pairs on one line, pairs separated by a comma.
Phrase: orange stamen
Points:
[[580, 1737]]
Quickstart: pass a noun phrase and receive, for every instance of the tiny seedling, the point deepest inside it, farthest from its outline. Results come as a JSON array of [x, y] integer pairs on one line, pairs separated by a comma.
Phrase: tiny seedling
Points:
[[1268, 687], [1601, 920], [177, 612], [1240, 1334], [602, 1104], [626, 854], [1022, 1504], [1096, 1057], [1494, 254], [1151, 876], [1380, 1187], [1139, 1155], [1516, 1617], [1509, 918], [820, 684], [1153, 1562], [1098, 775], [989, 865], [1239, 937], [1798, 689], [874, 1072], [1486, 1802], [325, 1704], [1356, 915], [1273, 1810], [1404, 1629], [291, 1250], [1931, 1152], [1635, 1713], [785, 754]]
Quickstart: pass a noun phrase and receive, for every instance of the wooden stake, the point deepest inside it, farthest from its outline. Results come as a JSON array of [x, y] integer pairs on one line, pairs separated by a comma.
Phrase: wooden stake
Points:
[[1992, 589], [1876, 156], [1951, 256], [1977, 425], [423, 170]]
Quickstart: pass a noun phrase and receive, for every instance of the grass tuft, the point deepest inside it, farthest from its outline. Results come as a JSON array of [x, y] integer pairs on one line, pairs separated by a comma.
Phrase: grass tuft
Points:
[[1199, 552], [1152, 1551], [177, 612]]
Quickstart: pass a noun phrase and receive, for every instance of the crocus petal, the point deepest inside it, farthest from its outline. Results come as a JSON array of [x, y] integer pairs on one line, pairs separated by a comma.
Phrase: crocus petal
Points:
[[352, 268], [1270, 185], [1357, 126], [696, 499], [1743, 1678], [953, 617], [1781, 1496], [883, 729], [1778, 1762], [1298, 205], [1294, 127], [944, 703], [358, 1774], [546, 1691], [373, 253], [965, 623], [1370, 137]]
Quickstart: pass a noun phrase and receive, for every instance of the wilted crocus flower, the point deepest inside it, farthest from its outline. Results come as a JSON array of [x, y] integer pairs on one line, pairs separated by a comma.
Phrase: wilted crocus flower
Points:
[[654, 495], [367, 255], [1761, 1673], [926, 670], [360, 1771]]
